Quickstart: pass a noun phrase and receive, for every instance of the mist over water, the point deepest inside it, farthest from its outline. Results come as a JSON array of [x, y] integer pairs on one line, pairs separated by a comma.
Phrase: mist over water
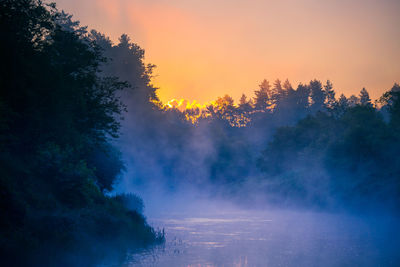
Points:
[[229, 236], [314, 201], [204, 230], [93, 163]]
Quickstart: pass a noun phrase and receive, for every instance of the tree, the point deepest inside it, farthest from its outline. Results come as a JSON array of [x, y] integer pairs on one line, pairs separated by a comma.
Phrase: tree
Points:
[[302, 97], [56, 137], [343, 102], [287, 104], [277, 94], [223, 109], [243, 100], [261, 100], [317, 95], [244, 104], [330, 101], [353, 101], [391, 102], [243, 110], [342, 105], [126, 61], [287, 86], [364, 98]]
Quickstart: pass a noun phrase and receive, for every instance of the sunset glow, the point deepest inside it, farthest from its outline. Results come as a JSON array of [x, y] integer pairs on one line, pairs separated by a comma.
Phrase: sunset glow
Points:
[[205, 49], [200, 133], [183, 104]]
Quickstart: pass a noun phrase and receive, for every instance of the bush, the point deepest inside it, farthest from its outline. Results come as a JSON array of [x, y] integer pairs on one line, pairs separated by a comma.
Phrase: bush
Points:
[[130, 201]]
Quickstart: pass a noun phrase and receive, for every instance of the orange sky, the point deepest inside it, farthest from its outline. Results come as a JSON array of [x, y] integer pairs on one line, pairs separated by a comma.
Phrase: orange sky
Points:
[[207, 48]]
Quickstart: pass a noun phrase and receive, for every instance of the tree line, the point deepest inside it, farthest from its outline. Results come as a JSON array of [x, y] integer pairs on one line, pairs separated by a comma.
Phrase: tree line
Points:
[[286, 145], [279, 98], [80, 119]]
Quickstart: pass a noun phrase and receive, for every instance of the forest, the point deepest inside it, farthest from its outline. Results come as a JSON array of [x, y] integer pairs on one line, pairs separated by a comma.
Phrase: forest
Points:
[[59, 117], [83, 132]]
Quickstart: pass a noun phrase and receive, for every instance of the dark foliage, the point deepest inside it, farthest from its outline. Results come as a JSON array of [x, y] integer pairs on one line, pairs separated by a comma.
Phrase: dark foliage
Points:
[[64, 92], [58, 117], [347, 159]]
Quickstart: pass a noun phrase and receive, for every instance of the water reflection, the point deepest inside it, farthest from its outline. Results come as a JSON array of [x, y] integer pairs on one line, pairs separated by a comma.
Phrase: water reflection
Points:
[[272, 239]]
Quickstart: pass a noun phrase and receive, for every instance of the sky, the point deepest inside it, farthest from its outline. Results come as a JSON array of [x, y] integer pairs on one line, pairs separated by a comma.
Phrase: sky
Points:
[[208, 48]]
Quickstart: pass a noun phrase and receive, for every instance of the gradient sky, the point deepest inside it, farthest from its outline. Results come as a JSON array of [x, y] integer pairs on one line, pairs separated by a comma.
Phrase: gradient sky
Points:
[[207, 48]]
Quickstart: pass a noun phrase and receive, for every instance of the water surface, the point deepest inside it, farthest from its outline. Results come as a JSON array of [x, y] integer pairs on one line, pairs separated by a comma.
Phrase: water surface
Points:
[[276, 238]]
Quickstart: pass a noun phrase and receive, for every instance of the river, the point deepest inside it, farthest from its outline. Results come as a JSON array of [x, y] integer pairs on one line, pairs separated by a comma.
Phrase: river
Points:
[[272, 238]]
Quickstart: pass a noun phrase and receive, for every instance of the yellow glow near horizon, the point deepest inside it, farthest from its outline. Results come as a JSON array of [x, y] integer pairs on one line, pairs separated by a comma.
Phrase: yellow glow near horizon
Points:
[[205, 49], [184, 104]]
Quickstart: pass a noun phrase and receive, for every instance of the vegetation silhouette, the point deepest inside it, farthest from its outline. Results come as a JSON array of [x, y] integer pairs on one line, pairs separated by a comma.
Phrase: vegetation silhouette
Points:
[[59, 117], [64, 148]]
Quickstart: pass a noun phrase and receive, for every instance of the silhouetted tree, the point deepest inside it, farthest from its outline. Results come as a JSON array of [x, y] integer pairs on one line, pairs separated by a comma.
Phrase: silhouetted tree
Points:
[[342, 105], [353, 101], [243, 100], [364, 98], [244, 109], [330, 100], [302, 96], [277, 94], [287, 86], [317, 95], [391, 101], [262, 98]]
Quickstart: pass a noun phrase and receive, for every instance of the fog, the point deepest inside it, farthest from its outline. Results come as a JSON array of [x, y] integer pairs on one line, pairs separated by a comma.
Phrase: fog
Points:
[[306, 179], [216, 233], [97, 171]]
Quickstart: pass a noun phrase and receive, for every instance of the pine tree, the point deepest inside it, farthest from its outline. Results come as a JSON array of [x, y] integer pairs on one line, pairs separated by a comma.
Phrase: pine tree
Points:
[[330, 101], [365, 100], [353, 101], [243, 111], [261, 100], [343, 102], [317, 95], [287, 86], [302, 96], [244, 104], [341, 106], [243, 100], [277, 92]]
